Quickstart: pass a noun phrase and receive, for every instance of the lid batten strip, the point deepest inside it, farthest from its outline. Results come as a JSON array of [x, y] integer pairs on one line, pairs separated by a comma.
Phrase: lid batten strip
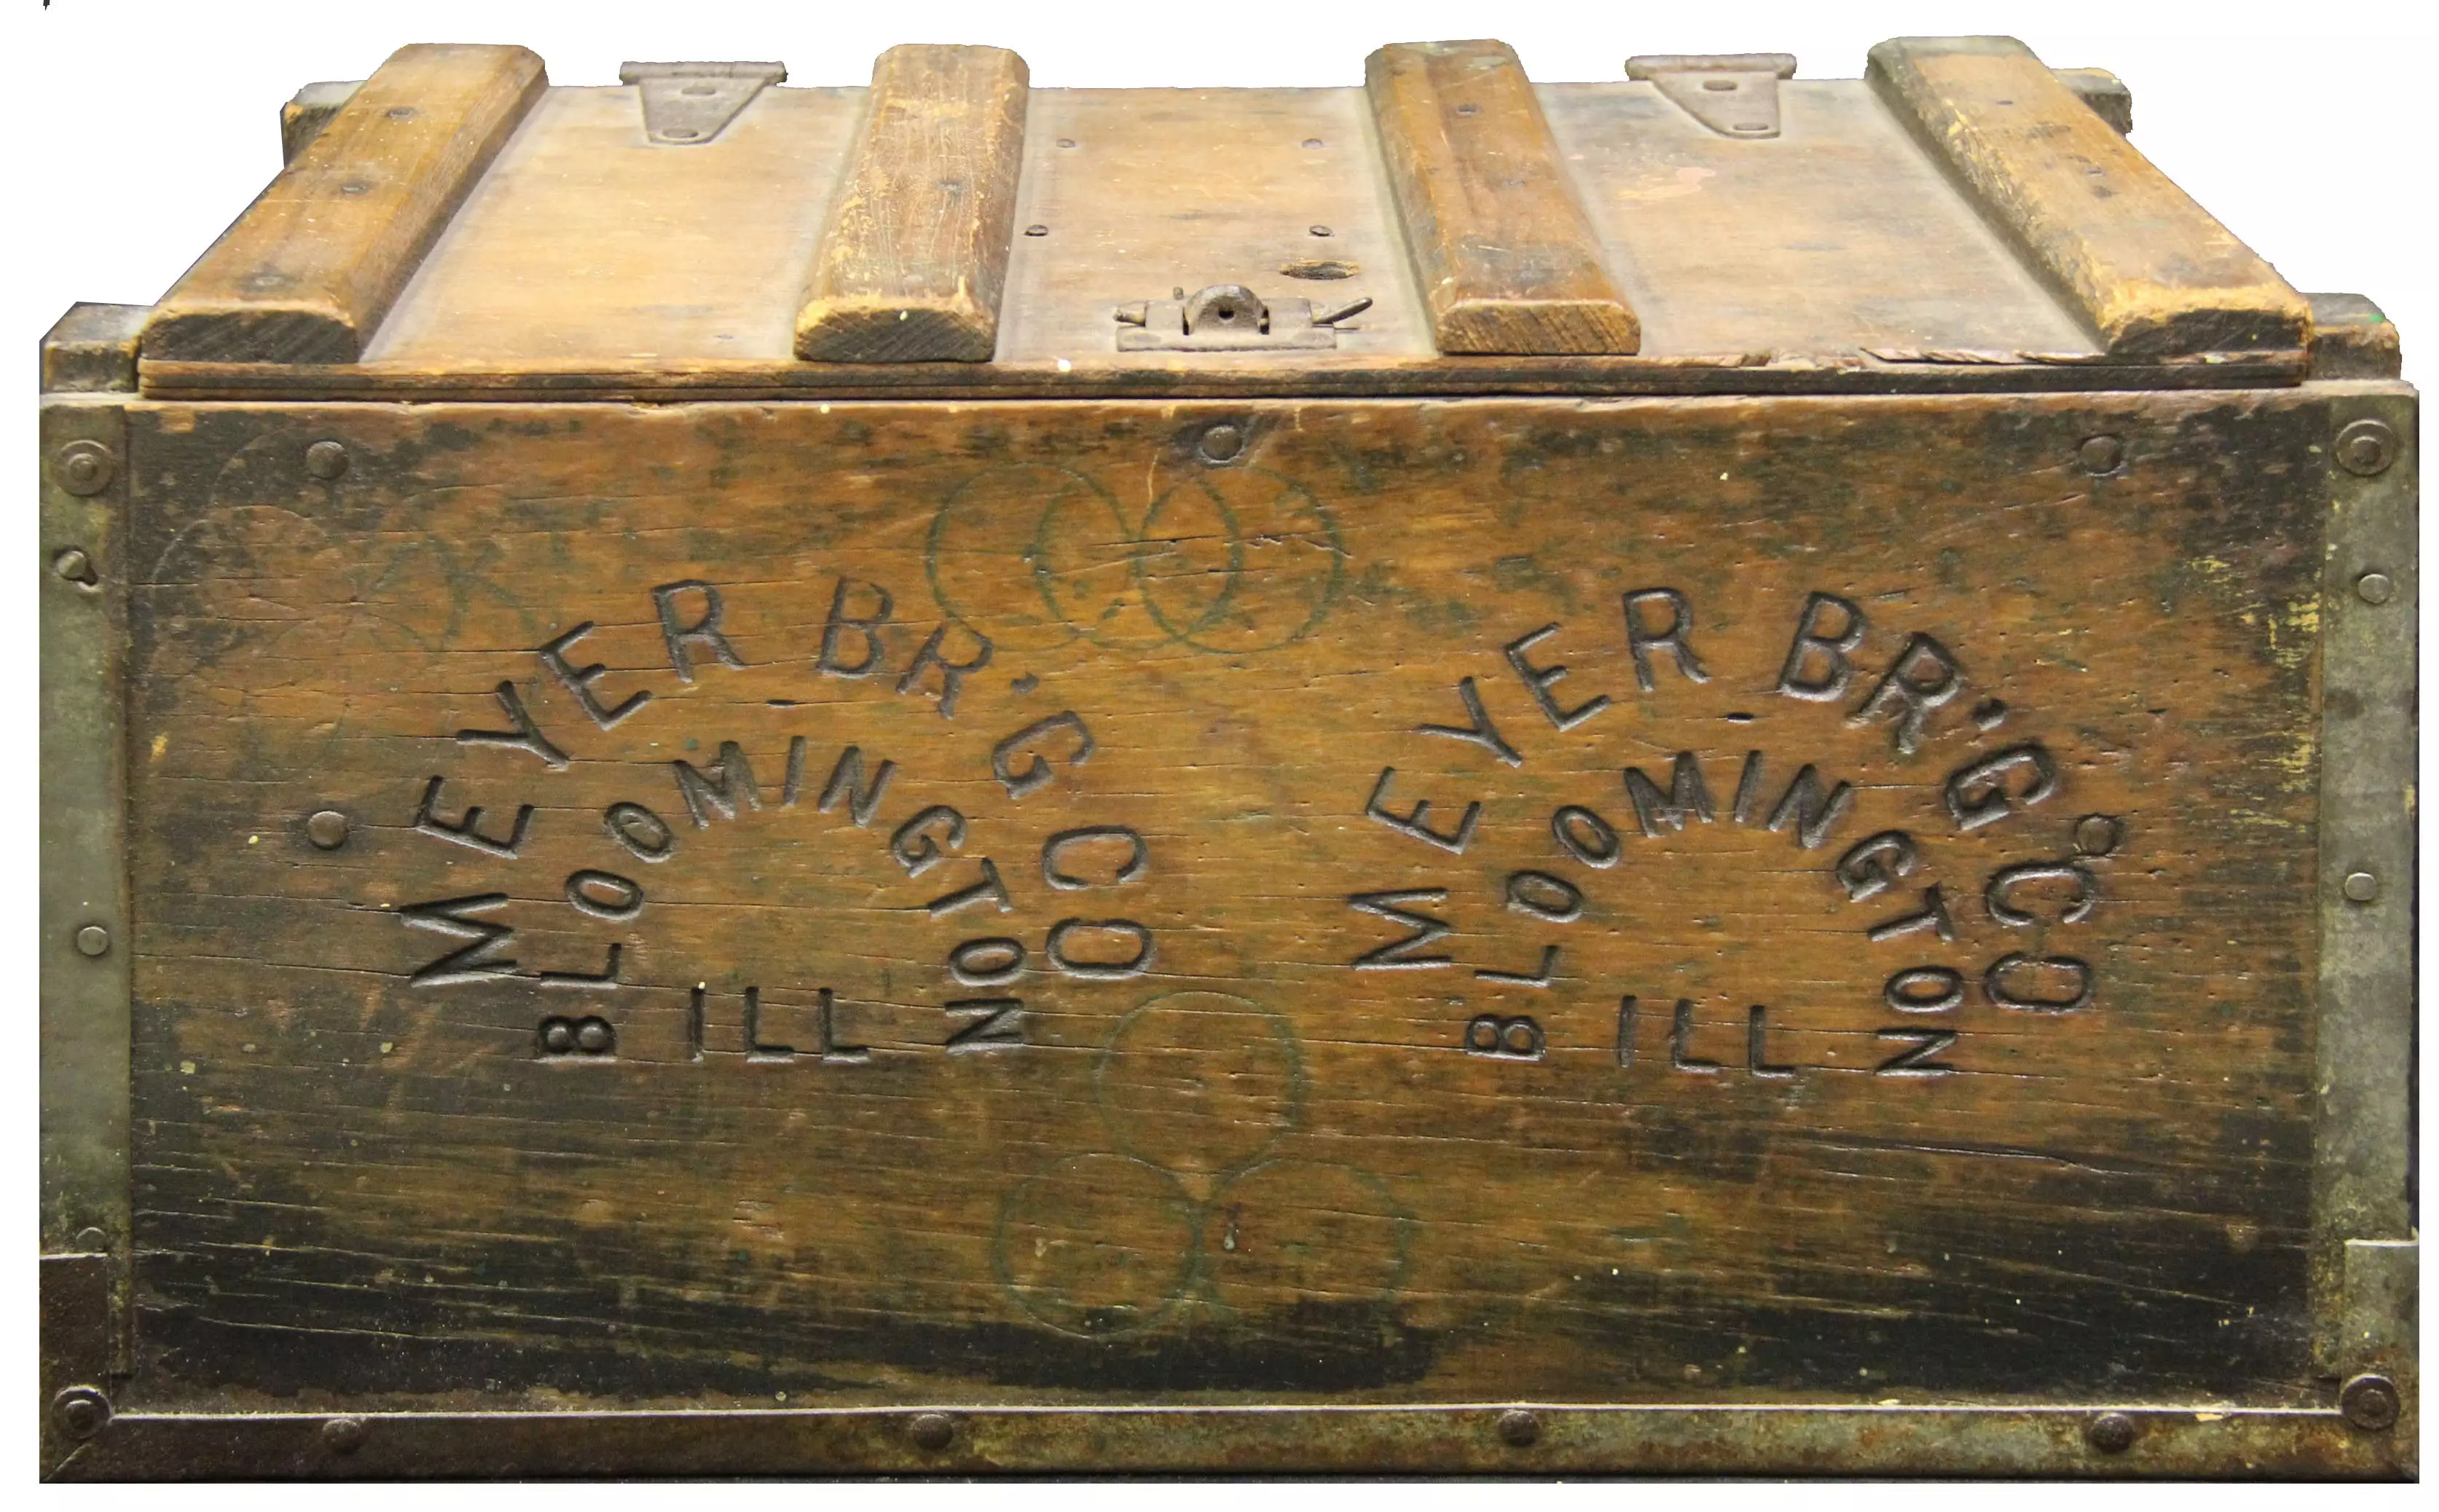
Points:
[[2152, 271], [1507, 261], [306, 273], [913, 264]]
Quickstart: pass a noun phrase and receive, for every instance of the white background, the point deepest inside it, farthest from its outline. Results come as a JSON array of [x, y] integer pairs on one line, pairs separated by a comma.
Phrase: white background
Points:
[[137, 130]]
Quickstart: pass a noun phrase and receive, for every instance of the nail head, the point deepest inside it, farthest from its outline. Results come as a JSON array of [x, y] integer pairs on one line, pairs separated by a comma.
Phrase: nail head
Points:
[[2361, 886], [93, 940], [2368, 1402], [80, 1412], [86, 467], [325, 460], [344, 1435], [931, 1431], [2366, 448], [327, 830], [2101, 454], [2111, 1433], [1519, 1429], [2375, 587]]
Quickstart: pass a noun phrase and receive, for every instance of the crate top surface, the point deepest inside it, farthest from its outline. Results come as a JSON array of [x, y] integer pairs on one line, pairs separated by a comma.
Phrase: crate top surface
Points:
[[1964, 217]]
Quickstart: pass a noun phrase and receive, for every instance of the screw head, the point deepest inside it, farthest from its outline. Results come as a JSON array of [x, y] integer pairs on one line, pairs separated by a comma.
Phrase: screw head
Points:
[[86, 467], [327, 830], [2111, 1433], [932, 1432], [1519, 1429], [2101, 454], [91, 1241], [344, 1435], [2366, 448], [2375, 587], [325, 460], [1222, 442], [79, 1411], [2368, 1402], [93, 940], [2361, 886]]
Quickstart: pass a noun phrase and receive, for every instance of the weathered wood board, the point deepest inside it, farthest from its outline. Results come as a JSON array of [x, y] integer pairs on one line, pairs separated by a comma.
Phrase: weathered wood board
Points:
[[954, 913]]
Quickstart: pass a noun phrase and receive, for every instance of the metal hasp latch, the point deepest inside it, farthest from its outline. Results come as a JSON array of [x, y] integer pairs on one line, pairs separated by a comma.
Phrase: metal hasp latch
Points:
[[1733, 93], [1229, 317], [689, 104]]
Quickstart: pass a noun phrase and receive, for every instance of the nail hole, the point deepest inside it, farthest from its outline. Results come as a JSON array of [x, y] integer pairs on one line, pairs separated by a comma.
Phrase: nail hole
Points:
[[1320, 230], [1036, 230], [1719, 85]]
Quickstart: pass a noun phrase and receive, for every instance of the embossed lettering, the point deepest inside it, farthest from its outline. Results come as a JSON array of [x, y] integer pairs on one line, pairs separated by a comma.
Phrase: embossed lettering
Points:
[[1925, 990], [1924, 676], [1812, 810], [1477, 728], [1037, 771], [604, 980], [644, 833], [2042, 969], [1998, 897], [1504, 1038], [1641, 639], [705, 631], [1875, 863], [1757, 1043], [987, 890], [1398, 954], [1417, 823], [841, 625], [604, 894], [1585, 835], [1680, 1043], [846, 785], [911, 841], [579, 680], [464, 832], [1977, 792], [952, 674], [471, 963], [1933, 917], [1542, 896], [985, 1023], [1538, 680], [1543, 974], [994, 961], [1916, 1060], [705, 797], [526, 736], [1054, 850], [1829, 683], [1688, 797], [1055, 948]]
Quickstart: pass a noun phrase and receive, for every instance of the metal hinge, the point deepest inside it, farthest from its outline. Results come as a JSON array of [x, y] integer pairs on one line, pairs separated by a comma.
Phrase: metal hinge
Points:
[[1733, 93], [689, 104], [1231, 317]]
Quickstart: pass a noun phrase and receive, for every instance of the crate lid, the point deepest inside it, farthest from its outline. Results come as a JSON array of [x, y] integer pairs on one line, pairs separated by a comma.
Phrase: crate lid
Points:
[[1964, 217]]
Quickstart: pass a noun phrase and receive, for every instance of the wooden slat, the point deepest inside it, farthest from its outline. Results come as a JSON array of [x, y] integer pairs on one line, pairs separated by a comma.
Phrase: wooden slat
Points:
[[912, 267], [1508, 263], [307, 272], [2155, 275]]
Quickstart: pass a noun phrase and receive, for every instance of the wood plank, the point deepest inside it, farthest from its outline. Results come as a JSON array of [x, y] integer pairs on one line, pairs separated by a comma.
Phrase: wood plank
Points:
[[1270, 1161], [915, 258], [307, 272], [2152, 271], [1508, 263]]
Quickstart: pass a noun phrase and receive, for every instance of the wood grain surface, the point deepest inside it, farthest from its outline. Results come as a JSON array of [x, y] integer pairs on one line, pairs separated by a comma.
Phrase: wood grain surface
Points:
[[2151, 270], [986, 903], [306, 272], [1506, 261], [915, 256]]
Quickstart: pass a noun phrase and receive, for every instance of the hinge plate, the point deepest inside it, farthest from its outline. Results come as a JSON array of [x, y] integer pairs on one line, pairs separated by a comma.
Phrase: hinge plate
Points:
[[1732, 93], [689, 104]]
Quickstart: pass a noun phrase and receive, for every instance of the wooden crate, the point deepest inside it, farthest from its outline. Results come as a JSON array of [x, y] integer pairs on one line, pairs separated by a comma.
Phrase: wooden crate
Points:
[[1709, 774]]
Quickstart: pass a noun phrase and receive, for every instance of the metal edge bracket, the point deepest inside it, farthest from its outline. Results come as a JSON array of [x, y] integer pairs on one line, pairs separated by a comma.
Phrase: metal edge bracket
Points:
[[85, 940], [1733, 93], [689, 104], [2361, 1197]]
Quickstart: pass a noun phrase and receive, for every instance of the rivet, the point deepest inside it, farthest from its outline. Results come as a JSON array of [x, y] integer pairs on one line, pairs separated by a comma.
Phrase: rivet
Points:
[[592, 1036], [327, 830], [2361, 886], [93, 940], [932, 1432], [1519, 1429], [1222, 442], [558, 1037], [2097, 834], [2375, 587], [344, 1435], [2366, 448], [2111, 1433], [2368, 1402], [91, 1241], [73, 565], [1036, 230], [86, 467], [325, 460], [79, 1411], [2101, 454]]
